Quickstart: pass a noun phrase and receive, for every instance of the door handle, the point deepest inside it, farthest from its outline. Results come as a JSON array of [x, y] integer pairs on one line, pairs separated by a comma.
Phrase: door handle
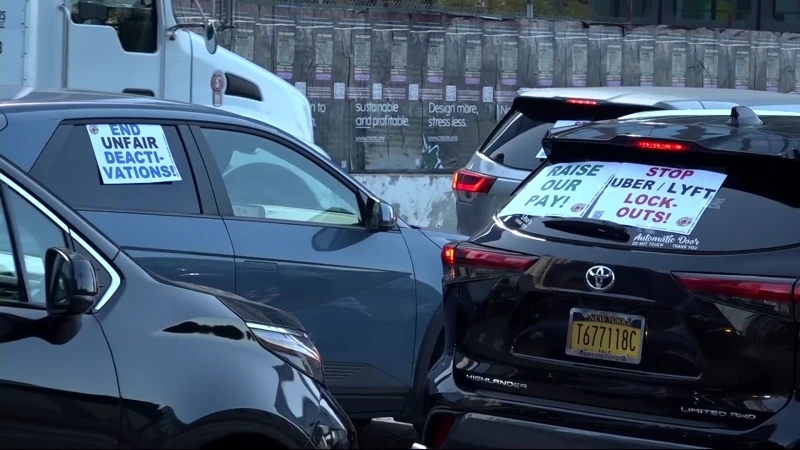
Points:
[[261, 265]]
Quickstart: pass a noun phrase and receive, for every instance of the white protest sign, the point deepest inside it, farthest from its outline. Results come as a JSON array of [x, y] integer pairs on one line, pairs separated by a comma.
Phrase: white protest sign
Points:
[[561, 190], [657, 198], [132, 154]]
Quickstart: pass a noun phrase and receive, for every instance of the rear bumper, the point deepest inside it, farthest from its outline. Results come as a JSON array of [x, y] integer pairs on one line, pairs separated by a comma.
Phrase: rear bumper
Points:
[[475, 430], [460, 419]]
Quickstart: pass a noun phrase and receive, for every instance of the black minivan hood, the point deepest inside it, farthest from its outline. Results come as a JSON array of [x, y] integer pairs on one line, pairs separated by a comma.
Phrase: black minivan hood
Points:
[[248, 310]]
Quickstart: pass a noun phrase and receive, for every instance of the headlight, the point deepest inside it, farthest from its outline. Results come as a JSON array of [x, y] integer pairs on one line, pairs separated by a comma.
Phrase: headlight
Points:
[[292, 346]]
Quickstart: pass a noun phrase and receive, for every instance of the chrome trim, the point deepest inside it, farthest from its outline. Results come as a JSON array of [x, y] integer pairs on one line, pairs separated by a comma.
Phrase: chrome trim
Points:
[[115, 277], [274, 329]]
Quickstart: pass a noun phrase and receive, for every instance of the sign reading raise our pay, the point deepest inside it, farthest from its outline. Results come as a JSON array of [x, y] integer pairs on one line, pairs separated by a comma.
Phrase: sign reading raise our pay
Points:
[[657, 198], [562, 190], [132, 154]]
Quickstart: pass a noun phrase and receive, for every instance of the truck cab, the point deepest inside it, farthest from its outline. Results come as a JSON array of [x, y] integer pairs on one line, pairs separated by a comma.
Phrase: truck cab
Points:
[[139, 47]]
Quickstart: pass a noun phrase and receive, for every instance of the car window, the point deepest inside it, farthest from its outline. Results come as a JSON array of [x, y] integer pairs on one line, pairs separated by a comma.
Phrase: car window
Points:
[[268, 180], [144, 169], [679, 203], [517, 140], [37, 233], [133, 20]]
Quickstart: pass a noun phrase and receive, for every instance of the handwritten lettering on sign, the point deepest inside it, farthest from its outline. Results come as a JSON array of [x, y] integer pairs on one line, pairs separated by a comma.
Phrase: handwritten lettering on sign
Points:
[[658, 198], [561, 190]]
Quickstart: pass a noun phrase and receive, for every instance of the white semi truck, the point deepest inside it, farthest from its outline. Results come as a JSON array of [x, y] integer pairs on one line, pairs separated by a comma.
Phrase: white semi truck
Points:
[[139, 47]]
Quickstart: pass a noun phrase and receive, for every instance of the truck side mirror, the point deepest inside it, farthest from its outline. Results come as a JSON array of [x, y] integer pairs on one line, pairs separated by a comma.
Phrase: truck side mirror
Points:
[[211, 37]]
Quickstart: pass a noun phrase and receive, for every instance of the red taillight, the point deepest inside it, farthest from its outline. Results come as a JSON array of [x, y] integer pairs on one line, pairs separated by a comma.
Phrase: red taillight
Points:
[[469, 181], [581, 101], [463, 260], [661, 145], [774, 295]]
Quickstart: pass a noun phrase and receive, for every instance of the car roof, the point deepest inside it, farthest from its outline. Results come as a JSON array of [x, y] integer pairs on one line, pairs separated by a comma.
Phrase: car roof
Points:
[[778, 132], [46, 108], [655, 95]]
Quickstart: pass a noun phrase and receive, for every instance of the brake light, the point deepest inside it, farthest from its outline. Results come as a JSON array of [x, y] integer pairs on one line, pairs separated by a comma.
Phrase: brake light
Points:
[[464, 260], [661, 145], [469, 181], [769, 295], [581, 101]]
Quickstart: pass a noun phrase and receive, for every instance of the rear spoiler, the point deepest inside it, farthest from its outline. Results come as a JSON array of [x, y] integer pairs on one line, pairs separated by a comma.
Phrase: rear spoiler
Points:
[[740, 116]]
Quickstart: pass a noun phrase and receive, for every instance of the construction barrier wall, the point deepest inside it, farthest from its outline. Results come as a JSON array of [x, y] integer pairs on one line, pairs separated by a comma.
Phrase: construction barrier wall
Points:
[[416, 93]]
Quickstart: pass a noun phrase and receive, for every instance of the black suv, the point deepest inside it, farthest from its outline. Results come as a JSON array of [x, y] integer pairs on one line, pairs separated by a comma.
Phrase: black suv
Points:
[[95, 352], [640, 290]]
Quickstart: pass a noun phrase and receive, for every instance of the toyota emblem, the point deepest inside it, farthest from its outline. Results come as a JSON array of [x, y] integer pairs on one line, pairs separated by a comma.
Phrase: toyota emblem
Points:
[[600, 278]]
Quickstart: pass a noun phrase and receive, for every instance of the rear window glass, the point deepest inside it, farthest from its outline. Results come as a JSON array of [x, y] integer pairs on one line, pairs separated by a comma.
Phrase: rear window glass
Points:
[[517, 140], [696, 204]]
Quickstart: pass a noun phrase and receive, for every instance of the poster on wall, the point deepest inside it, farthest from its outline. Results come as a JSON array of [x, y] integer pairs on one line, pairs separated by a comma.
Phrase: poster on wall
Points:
[[604, 56], [572, 47], [536, 53], [388, 112], [670, 57], [734, 56], [500, 65], [637, 56]]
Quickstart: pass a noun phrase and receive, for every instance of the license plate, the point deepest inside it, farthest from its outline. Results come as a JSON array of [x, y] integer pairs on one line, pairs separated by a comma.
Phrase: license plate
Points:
[[605, 335]]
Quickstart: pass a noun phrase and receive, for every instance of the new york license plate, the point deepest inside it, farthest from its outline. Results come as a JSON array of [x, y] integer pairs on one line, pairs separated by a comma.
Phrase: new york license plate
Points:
[[605, 335]]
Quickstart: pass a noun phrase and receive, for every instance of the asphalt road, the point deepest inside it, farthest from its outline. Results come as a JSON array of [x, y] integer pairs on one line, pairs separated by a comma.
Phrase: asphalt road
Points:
[[386, 433]]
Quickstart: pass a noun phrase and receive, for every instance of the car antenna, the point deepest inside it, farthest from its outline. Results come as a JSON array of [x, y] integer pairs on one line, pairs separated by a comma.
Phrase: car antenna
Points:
[[742, 116]]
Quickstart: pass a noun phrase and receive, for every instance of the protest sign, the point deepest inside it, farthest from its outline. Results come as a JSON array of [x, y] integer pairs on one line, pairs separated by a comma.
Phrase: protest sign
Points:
[[562, 190], [657, 198], [132, 154]]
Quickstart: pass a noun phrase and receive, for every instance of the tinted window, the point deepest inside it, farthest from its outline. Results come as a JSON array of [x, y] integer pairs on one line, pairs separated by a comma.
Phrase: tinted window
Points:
[[619, 8], [134, 21], [786, 10], [71, 171], [744, 214], [36, 233], [267, 180], [712, 9], [517, 139]]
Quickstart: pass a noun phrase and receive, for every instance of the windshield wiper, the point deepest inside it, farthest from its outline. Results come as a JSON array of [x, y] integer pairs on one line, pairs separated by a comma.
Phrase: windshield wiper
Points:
[[601, 229]]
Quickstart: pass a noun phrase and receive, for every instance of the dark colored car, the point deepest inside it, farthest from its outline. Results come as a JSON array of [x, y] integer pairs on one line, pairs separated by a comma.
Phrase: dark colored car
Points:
[[650, 301], [239, 206], [97, 353], [512, 150]]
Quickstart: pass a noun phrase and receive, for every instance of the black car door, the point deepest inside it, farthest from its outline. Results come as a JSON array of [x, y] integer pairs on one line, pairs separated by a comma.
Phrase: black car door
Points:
[[58, 386]]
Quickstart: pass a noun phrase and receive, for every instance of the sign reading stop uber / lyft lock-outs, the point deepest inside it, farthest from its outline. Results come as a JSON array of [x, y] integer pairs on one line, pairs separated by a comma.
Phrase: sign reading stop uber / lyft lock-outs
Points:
[[658, 198], [132, 154]]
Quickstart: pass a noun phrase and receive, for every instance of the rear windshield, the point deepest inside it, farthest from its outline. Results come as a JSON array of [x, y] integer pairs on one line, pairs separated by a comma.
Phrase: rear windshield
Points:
[[675, 202], [517, 140]]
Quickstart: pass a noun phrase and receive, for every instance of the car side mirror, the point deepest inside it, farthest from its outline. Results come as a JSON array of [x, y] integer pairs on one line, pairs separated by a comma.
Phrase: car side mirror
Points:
[[381, 216], [211, 36], [71, 283], [92, 11]]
